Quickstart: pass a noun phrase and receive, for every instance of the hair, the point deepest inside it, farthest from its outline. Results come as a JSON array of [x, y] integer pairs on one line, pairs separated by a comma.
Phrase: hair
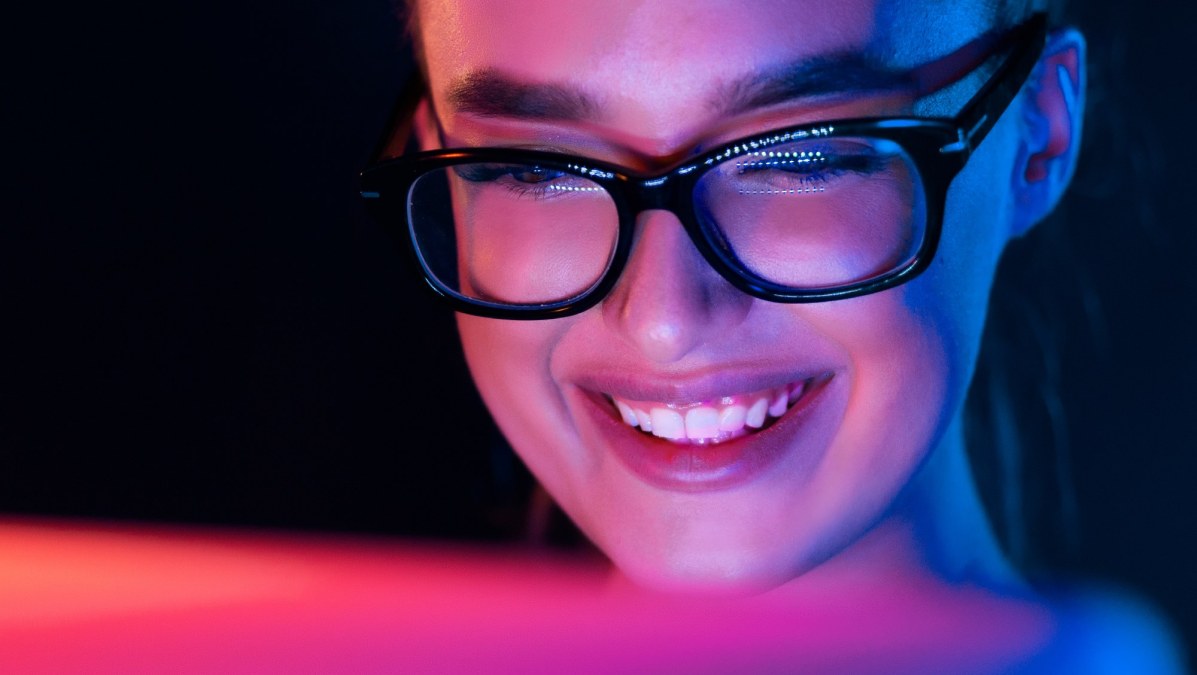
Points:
[[1015, 422]]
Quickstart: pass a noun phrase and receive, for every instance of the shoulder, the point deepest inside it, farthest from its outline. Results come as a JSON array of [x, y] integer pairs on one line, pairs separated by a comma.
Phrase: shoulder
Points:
[[1106, 629]]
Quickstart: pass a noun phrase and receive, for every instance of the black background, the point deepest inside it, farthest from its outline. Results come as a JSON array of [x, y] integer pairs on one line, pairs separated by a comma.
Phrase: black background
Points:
[[201, 325]]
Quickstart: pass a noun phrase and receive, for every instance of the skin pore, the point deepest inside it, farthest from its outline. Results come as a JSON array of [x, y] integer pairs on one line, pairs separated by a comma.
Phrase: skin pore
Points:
[[868, 478]]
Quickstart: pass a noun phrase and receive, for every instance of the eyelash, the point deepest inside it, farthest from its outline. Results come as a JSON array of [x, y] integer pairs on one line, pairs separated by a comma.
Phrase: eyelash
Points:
[[813, 166], [817, 169], [505, 177]]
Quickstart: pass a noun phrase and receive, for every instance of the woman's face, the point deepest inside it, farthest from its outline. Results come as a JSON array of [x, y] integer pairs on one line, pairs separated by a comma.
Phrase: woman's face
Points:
[[855, 394]]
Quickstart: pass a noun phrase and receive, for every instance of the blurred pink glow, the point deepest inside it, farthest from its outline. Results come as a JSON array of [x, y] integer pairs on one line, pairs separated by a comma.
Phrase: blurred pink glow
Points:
[[118, 598]]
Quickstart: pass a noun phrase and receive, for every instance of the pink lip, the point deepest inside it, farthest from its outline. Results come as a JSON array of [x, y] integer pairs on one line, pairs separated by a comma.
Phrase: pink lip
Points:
[[699, 468]]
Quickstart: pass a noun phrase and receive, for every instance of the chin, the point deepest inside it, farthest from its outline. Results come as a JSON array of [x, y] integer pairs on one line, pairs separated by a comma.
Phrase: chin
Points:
[[701, 570], [706, 579]]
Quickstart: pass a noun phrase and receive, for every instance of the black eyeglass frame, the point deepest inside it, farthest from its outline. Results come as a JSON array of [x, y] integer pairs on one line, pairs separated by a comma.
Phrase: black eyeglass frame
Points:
[[939, 148]]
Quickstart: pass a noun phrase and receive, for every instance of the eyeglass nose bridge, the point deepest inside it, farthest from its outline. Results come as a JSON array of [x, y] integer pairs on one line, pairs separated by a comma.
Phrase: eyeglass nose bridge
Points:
[[660, 192], [674, 193]]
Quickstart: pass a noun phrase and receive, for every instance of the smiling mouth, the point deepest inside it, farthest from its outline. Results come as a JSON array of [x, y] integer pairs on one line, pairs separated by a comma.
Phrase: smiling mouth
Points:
[[715, 421]]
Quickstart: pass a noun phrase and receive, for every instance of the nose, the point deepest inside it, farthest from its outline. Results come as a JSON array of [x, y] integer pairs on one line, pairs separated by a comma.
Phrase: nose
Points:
[[669, 301]]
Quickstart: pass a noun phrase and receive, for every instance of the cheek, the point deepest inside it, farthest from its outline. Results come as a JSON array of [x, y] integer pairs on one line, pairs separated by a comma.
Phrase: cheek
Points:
[[902, 391], [510, 365], [508, 361], [954, 291], [913, 349]]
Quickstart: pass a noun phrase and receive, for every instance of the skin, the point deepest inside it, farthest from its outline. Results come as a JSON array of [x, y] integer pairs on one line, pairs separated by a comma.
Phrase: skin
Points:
[[875, 486]]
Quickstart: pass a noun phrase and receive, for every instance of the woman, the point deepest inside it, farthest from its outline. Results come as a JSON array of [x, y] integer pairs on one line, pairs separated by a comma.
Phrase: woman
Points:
[[723, 281]]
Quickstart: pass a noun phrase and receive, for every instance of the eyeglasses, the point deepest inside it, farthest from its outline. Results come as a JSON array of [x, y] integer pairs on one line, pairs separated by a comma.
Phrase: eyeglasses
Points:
[[807, 213]]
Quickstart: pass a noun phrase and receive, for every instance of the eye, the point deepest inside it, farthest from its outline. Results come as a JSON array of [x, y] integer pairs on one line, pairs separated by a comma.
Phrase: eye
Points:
[[536, 174], [807, 168], [530, 181], [814, 163], [515, 173]]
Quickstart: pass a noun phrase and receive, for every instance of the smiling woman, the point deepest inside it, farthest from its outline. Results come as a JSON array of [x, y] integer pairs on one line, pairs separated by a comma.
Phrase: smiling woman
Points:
[[722, 273]]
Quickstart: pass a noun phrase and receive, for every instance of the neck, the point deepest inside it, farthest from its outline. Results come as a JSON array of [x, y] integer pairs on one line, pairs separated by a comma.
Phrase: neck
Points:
[[937, 532]]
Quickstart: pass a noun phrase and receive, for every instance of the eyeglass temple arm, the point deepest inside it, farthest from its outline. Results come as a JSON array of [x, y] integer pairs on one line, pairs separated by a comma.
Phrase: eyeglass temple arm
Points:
[[395, 138], [984, 109]]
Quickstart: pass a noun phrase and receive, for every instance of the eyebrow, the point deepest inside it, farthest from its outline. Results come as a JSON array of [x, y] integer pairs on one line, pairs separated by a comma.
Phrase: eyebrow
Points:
[[491, 93], [810, 78]]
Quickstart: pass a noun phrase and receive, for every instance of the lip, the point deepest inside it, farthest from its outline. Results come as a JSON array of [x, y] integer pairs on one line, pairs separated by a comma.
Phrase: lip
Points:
[[691, 467]]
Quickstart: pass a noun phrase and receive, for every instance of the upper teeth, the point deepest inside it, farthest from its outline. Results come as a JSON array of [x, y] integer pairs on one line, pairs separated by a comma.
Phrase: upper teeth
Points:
[[709, 422]]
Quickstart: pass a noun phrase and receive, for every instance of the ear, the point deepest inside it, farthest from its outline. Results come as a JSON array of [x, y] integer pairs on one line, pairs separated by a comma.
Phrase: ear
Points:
[[1053, 107]]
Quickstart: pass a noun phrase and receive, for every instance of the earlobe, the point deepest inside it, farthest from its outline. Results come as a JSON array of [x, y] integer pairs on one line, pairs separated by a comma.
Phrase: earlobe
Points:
[[1052, 118]]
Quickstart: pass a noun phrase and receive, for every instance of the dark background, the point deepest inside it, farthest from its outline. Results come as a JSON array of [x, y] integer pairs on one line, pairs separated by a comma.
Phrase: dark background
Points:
[[201, 325]]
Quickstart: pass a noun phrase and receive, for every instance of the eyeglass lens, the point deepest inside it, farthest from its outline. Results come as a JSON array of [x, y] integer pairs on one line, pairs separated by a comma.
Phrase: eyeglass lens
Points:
[[512, 233]]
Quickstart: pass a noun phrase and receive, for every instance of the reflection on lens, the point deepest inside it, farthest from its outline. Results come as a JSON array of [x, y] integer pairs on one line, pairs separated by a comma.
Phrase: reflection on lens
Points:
[[516, 234], [816, 213]]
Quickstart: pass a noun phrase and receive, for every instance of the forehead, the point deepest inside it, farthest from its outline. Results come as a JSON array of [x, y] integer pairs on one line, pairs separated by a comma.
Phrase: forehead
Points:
[[652, 68], [640, 40]]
